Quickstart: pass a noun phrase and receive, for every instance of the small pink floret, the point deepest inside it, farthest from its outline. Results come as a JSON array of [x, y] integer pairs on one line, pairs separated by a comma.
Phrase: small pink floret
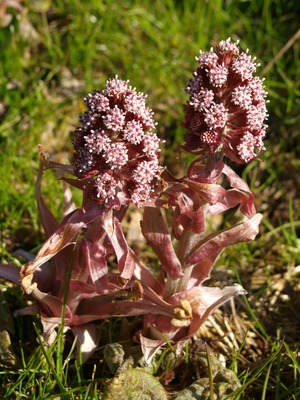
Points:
[[116, 155], [208, 59], [246, 147], [216, 116], [241, 96], [218, 76], [244, 66], [133, 132], [226, 46], [114, 119]]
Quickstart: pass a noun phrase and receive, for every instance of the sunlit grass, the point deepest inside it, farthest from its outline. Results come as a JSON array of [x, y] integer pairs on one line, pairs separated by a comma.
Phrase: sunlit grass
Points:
[[54, 54]]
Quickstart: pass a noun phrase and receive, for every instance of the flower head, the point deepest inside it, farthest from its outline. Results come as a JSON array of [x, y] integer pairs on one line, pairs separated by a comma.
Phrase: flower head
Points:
[[115, 143], [227, 107]]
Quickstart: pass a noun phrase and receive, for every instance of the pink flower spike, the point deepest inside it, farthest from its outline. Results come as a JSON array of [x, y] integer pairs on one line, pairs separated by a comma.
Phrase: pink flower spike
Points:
[[226, 99], [86, 270], [114, 144]]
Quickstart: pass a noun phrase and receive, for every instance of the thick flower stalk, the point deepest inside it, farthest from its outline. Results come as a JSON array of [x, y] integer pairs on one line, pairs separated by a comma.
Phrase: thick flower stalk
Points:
[[116, 148], [227, 107]]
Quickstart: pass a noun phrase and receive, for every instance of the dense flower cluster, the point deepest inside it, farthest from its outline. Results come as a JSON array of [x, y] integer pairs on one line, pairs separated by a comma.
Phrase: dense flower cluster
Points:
[[116, 149], [227, 107]]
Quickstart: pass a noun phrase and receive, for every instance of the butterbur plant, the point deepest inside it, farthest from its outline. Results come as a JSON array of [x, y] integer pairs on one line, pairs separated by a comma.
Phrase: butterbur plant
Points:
[[116, 164]]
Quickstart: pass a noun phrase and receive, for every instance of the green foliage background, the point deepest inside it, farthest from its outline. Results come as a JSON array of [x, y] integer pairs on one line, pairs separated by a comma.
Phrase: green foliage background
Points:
[[54, 52]]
